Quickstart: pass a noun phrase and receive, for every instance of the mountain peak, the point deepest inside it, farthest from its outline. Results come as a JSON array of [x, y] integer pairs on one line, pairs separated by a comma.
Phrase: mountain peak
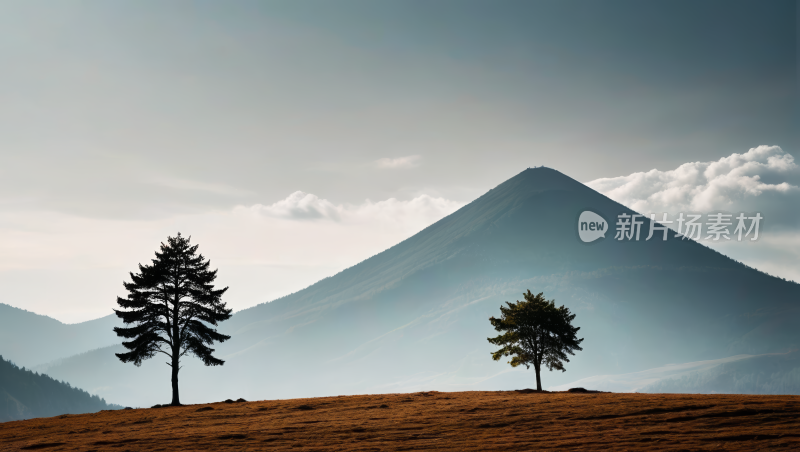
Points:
[[538, 179]]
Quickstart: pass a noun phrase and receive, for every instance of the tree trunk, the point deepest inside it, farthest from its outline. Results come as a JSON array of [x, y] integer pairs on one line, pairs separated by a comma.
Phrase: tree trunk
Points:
[[176, 347], [537, 369], [176, 399]]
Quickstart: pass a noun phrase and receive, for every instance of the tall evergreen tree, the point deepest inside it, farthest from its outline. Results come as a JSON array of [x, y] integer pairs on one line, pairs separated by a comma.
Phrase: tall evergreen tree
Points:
[[170, 305], [535, 332]]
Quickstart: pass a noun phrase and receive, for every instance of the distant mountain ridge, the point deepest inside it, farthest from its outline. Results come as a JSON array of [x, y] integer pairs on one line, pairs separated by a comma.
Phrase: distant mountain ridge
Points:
[[415, 316], [31, 339], [26, 395], [777, 373], [769, 373]]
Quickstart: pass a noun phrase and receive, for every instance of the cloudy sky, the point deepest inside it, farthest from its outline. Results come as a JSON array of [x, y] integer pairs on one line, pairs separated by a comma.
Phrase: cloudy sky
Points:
[[292, 139]]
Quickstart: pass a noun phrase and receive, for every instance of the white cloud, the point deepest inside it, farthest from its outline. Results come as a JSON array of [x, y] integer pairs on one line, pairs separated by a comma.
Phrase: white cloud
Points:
[[301, 206], [764, 179], [419, 212], [416, 213], [754, 180], [409, 161]]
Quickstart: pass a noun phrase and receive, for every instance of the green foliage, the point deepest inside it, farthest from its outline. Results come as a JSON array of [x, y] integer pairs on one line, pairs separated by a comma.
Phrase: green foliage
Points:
[[535, 332], [171, 304], [25, 394]]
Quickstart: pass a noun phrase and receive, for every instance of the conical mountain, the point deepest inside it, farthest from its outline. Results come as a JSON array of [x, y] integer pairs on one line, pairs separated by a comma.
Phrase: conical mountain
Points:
[[416, 315]]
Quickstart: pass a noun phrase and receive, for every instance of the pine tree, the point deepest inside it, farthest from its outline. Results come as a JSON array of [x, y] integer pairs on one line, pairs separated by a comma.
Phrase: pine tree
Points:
[[535, 332], [170, 305]]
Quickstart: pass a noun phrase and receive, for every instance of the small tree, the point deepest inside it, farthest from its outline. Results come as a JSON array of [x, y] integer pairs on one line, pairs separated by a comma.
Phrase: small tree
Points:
[[535, 332], [171, 304]]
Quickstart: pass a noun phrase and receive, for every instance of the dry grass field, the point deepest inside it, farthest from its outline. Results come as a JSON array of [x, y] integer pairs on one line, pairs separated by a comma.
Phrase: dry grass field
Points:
[[431, 421]]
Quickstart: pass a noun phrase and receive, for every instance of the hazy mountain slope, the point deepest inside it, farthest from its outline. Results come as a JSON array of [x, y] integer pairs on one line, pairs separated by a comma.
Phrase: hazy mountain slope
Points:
[[25, 395], [772, 373], [101, 373], [29, 339], [763, 374], [415, 316]]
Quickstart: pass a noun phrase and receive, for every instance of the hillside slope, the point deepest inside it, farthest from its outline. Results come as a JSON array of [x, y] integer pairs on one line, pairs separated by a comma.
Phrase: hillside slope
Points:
[[777, 373], [30, 339], [415, 316], [769, 373], [25, 395]]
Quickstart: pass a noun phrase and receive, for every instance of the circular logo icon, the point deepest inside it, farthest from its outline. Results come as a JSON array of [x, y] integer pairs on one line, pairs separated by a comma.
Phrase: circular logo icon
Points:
[[591, 226]]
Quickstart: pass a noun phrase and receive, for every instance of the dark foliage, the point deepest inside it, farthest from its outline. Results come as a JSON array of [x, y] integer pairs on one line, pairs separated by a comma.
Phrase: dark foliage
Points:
[[171, 304], [25, 394], [535, 332]]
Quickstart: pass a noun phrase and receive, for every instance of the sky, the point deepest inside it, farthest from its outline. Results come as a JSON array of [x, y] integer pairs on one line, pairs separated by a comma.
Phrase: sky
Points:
[[293, 139]]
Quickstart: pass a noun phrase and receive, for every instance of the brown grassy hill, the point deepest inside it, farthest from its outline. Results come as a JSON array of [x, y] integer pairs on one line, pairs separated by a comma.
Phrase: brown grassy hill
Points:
[[431, 420]]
